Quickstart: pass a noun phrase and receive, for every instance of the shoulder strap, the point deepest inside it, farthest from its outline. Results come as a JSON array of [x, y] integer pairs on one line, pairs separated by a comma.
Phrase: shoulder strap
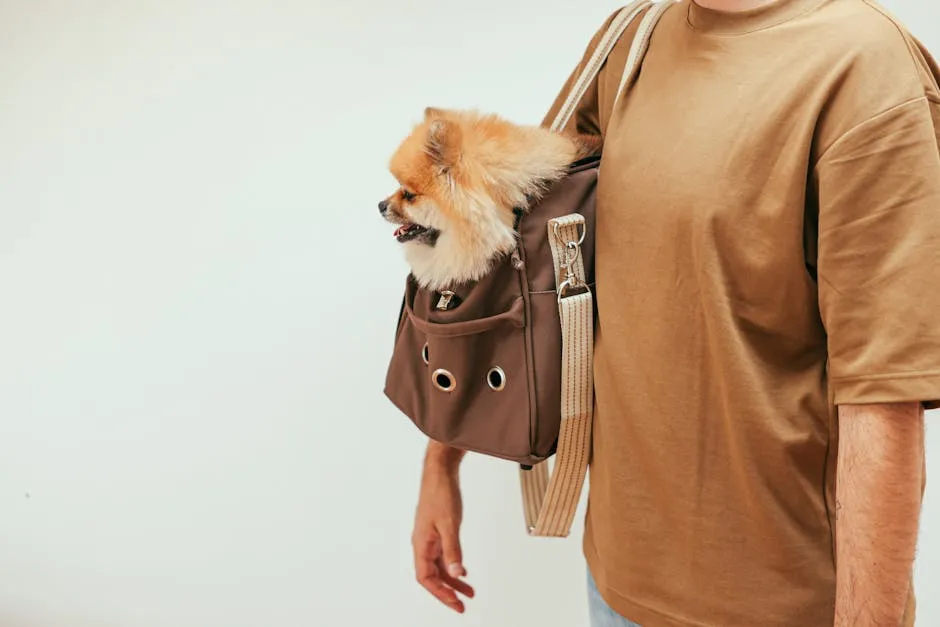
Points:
[[618, 25], [550, 503], [641, 43]]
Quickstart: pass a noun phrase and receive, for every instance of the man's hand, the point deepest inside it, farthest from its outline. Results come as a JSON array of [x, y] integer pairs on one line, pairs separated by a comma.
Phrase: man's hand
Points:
[[436, 537], [879, 487]]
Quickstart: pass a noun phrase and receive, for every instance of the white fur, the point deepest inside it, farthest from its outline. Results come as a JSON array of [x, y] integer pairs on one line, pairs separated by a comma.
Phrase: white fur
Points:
[[457, 258]]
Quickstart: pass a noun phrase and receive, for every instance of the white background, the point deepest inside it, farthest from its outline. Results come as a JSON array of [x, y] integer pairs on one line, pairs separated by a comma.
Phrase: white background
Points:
[[197, 300]]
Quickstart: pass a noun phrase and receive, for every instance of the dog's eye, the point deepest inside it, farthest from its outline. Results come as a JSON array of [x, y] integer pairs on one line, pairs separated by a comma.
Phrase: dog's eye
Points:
[[407, 196]]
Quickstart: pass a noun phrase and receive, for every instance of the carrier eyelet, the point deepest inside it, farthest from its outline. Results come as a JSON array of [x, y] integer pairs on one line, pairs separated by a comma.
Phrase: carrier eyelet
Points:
[[426, 354], [443, 380], [496, 378]]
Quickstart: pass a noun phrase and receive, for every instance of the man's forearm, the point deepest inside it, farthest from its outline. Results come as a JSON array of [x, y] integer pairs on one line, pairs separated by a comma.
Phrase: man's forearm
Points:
[[442, 456], [878, 499]]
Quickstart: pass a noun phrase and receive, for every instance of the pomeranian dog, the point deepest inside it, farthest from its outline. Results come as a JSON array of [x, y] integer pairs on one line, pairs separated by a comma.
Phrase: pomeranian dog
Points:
[[461, 176]]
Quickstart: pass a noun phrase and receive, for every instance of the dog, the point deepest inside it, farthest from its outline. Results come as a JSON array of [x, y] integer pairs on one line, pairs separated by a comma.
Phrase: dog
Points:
[[462, 175]]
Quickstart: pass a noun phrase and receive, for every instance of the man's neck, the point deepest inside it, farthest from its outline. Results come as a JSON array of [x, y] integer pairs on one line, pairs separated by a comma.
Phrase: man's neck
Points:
[[733, 6]]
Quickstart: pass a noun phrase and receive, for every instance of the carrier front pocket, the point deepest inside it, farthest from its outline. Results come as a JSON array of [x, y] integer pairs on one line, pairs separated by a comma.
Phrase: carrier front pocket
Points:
[[480, 362]]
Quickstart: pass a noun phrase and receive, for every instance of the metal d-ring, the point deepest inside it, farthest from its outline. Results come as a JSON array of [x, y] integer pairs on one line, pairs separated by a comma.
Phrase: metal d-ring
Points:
[[426, 354], [581, 228], [567, 285]]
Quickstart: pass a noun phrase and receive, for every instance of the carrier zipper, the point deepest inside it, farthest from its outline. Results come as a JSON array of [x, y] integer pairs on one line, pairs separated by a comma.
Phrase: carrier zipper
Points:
[[444, 303], [521, 267]]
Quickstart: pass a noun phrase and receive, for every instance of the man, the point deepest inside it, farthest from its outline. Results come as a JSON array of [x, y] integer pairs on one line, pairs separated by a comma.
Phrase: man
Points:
[[768, 246]]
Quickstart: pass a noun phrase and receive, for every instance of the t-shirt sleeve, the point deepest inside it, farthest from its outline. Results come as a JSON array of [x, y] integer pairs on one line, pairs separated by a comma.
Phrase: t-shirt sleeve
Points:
[[878, 265]]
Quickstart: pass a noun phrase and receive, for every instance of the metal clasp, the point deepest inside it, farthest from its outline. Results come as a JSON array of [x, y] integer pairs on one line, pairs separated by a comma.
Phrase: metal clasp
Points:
[[572, 253]]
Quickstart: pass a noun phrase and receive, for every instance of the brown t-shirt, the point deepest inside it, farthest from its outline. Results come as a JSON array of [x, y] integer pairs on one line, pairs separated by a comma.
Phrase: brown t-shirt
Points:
[[768, 247]]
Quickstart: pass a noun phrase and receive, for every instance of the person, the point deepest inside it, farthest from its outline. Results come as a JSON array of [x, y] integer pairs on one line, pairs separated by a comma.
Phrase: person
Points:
[[768, 331]]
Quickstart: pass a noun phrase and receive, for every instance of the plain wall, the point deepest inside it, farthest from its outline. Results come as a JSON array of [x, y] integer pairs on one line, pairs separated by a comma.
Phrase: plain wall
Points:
[[197, 301]]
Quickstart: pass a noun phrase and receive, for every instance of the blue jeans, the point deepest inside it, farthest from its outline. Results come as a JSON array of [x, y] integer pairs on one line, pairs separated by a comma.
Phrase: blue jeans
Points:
[[600, 612]]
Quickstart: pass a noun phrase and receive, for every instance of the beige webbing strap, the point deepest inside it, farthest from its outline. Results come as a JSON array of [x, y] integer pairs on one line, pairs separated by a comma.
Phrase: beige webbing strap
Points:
[[641, 42], [550, 500], [550, 504], [621, 21]]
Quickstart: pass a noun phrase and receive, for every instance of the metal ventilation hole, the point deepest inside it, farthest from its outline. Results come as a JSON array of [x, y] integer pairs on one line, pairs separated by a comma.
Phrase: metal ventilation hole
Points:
[[443, 380], [496, 378]]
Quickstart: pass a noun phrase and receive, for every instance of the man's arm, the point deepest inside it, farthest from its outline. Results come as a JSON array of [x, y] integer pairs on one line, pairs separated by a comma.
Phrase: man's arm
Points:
[[441, 456], [436, 536], [879, 488]]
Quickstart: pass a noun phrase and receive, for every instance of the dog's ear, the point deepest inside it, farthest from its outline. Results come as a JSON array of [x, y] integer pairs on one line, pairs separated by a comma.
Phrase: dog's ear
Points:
[[443, 144], [431, 113]]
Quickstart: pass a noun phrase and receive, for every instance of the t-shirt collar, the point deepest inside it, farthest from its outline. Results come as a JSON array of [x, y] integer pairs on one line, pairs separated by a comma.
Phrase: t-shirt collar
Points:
[[739, 22]]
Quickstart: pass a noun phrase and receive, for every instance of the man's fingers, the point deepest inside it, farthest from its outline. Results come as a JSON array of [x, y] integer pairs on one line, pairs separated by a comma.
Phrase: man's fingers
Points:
[[432, 582], [439, 565], [450, 545], [460, 586], [429, 574]]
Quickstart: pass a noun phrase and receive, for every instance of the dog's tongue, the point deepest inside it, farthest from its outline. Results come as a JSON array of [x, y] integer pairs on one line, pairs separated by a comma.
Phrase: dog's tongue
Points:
[[402, 229]]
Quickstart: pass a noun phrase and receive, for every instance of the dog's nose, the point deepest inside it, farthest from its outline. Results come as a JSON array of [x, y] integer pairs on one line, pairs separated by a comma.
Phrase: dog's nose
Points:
[[383, 206]]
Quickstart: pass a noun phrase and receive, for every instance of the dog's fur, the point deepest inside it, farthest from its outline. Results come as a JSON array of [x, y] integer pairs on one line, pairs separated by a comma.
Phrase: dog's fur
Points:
[[461, 175]]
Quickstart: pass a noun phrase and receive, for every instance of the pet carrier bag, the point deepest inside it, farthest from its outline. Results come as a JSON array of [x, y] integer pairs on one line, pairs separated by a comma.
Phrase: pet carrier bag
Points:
[[503, 366]]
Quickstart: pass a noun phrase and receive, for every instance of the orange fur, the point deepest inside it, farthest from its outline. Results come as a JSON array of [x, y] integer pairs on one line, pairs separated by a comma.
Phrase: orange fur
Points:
[[461, 174]]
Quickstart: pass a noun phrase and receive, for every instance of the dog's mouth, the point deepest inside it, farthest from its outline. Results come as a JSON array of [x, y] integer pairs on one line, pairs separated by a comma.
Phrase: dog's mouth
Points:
[[411, 232]]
